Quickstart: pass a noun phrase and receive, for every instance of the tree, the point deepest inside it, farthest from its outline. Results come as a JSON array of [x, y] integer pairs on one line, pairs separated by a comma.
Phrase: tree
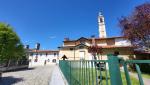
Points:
[[95, 50], [136, 27], [11, 47]]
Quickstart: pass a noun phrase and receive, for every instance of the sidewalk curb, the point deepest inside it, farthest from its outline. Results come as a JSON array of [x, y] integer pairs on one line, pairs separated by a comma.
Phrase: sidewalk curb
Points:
[[63, 77], [57, 77]]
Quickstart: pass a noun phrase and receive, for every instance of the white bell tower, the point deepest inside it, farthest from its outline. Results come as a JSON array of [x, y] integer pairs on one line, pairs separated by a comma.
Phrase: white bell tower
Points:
[[101, 24]]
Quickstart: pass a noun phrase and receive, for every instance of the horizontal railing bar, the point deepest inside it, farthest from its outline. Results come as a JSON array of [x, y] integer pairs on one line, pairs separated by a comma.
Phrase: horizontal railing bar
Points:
[[127, 61], [86, 60], [137, 61]]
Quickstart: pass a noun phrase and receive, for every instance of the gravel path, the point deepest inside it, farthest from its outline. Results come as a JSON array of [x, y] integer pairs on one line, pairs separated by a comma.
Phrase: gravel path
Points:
[[31, 76]]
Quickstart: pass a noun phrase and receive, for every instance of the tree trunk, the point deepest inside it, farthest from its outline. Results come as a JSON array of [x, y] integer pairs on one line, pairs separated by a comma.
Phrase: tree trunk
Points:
[[8, 63], [17, 62]]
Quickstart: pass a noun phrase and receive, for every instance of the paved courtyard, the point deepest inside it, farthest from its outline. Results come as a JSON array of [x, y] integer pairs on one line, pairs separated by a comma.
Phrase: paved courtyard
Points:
[[32, 76]]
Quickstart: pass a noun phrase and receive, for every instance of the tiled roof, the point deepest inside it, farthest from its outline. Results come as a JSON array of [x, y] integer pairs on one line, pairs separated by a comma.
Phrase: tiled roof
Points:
[[95, 38], [44, 51], [117, 46], [111, 46]]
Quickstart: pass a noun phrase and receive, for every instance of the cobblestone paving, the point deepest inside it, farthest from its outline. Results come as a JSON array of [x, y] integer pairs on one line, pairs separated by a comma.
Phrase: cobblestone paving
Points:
[[31, 76]]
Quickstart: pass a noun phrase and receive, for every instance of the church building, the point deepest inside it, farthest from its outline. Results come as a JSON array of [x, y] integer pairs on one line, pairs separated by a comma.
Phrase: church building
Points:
[[78, 49]]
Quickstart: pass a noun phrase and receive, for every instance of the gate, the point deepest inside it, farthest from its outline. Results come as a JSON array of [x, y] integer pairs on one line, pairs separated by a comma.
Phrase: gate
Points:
[[101, 72]]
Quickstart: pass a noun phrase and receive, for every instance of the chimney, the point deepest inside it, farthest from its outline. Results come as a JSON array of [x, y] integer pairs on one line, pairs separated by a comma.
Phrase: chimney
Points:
[[26, 46], [37, 46]]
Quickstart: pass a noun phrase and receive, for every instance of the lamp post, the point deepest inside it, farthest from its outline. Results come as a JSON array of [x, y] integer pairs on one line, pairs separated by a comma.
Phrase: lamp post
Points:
[[74, 52], [58, 54]]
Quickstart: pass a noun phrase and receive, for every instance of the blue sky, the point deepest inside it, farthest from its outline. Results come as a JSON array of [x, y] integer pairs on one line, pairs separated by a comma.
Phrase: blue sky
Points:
[[50, 21]]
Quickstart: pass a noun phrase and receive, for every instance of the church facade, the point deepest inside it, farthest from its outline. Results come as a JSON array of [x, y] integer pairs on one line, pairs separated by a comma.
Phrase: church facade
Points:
[[78, 49]]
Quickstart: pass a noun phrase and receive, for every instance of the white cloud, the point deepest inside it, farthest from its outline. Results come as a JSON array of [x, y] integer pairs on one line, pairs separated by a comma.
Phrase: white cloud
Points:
[[52, 37]]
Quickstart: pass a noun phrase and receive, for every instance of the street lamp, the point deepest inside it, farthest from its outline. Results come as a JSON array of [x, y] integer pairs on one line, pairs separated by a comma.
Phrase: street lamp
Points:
[[58, 53]]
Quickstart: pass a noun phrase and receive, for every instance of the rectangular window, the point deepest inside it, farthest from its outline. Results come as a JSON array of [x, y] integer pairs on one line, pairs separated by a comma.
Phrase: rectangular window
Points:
[[71, 49], [54, 54], [35, 60]]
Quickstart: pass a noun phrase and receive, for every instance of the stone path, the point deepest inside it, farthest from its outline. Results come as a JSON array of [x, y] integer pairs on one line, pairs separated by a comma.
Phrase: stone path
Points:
[[31, 76]]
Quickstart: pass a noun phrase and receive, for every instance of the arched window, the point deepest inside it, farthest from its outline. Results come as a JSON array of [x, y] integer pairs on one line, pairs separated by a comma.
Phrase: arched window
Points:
[[101, 20], [81, 47], [54, 54]]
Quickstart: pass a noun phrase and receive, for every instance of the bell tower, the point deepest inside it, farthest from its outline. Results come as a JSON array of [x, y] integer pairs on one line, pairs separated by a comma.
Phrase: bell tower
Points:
[[101, 24]]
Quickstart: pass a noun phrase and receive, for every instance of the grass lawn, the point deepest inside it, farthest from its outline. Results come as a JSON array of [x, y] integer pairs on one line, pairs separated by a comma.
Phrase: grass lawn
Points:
[[146, 75], [134, 81]]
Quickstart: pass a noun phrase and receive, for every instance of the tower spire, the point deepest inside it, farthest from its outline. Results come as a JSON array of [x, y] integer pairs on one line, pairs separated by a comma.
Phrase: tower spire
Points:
[[101, 24]]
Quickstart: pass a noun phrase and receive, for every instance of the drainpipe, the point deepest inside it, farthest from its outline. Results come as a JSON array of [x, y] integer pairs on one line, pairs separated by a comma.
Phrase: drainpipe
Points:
[[74, 53]]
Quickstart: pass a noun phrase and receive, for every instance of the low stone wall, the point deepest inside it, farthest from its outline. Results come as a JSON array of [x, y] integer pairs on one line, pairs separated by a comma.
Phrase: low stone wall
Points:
[[0, 75], [12, 68]]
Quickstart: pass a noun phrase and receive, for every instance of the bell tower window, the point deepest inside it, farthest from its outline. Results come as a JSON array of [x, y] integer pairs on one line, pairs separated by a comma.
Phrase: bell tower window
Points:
[[101, 20]]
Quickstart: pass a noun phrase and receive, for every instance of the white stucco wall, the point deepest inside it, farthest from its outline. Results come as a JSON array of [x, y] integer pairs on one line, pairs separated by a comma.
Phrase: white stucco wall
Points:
[[87, 43], [122, 42], [41, 59], [101, 43]]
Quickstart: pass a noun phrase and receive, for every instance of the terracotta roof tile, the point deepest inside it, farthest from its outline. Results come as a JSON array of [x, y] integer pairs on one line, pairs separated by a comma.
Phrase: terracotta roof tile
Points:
[[95, 38], [112, 46], [47, 51]]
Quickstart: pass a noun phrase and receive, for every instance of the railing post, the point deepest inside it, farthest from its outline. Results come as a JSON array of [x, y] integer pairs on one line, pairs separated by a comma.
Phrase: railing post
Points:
[[128, 80], [114, 70], [139, 74], [70, 73]]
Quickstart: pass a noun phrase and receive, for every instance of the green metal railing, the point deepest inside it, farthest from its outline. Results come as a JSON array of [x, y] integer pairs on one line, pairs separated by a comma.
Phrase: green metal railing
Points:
[[100, 72], [136, 63], [85, 72]]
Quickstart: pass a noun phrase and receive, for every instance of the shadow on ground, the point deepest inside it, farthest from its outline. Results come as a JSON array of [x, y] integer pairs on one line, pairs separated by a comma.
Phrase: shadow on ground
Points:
[[24, 69], [10, 80], [21, 69]]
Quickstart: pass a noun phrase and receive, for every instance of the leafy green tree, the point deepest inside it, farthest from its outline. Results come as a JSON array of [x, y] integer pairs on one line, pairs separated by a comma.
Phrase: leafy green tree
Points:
[[11, 47]]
